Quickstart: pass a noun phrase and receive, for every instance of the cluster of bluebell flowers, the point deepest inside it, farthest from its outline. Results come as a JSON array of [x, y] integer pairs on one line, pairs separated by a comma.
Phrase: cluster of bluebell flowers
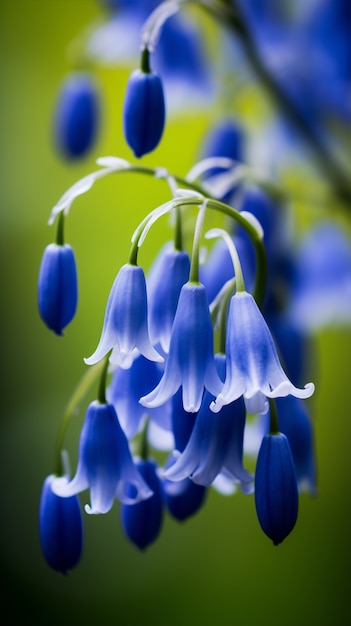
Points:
[[202, 359]]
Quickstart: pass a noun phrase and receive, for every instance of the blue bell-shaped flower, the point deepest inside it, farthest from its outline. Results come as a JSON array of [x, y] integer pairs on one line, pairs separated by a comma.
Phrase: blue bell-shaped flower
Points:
[[125, 325], [164, 282], [105, 465], [60, 528], [77, 114], [183, 498], [142, 522], [190, 362], [125, 389], [143, 112], [57, 287], [253, 366], [276, 494]]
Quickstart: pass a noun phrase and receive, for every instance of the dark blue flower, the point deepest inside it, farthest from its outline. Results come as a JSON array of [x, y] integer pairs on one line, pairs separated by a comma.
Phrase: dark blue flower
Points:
[[167, 276], [276, 495], [60, 528], [190, 362], [184, 498], [125, 325], [57, 287], [143, 112], [142, 522], [77, 116], [215, 443], [105, 465]]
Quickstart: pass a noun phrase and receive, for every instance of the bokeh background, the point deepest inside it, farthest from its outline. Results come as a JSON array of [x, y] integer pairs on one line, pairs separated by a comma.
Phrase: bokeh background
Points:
[[218, 568]]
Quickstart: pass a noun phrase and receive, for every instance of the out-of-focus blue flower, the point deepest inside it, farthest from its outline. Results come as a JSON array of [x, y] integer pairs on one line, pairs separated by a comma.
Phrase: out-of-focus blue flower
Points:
[[215, 443], [184, 498], [253, 367], [57, 287], [321, 284], [125, 325], [105, 465], [190, 362], [125, 389], [296, 424], [143, 112], [142, 522], [77, 116], [60, 528], [167, 276], [276, 495]]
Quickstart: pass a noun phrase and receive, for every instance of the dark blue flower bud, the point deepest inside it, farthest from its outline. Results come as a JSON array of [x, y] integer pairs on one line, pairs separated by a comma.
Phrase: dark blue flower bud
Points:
[[276, 495], [76, 116], [184, 498], [144, 112], [60, 529], [142, 522], [57, 287]]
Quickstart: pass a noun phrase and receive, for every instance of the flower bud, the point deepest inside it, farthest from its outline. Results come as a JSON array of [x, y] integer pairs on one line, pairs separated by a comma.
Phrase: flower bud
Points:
[[60, 529], [144, 112], [276, 495], [76, 116], [57, 287]]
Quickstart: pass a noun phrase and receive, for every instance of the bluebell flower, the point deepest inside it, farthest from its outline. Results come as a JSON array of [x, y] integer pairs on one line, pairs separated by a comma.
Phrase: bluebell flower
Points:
[[253, 366], [190, 362], [292, 344], [143, 112], [142, 522], [57, 287], [321, 281], [167, 276], [276, 495], [125, 325], [60, 528], [125, 389], [215, 443], [105, 465], [77, 116], [295, 423]]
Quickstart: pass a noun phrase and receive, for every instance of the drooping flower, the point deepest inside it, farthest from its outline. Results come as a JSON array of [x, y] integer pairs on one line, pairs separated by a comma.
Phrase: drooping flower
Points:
[[164, 282], [190, 362], [143, 112], [77, 116], [184, 498], [105, 465], [253, 366], [142, 522], [126, 388], [57, 287], [276, 495], [321, 282], [215, 443], [125, 325], [60, 528], [296, 425]]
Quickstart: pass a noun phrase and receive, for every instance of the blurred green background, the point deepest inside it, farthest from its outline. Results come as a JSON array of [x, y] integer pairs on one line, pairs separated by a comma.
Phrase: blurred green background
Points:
[[218, 568]]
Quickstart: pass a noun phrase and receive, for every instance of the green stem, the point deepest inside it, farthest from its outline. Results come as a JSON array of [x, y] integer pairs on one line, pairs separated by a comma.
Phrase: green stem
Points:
[[178, 231], [194, 267], [84, 385], [273, 417], [60, 239], [102, 385], [145, 61]]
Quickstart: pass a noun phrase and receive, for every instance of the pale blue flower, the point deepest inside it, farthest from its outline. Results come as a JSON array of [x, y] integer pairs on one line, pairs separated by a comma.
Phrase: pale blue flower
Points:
[[125, 325], [253, 366], [105, 465], [190, 362]]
